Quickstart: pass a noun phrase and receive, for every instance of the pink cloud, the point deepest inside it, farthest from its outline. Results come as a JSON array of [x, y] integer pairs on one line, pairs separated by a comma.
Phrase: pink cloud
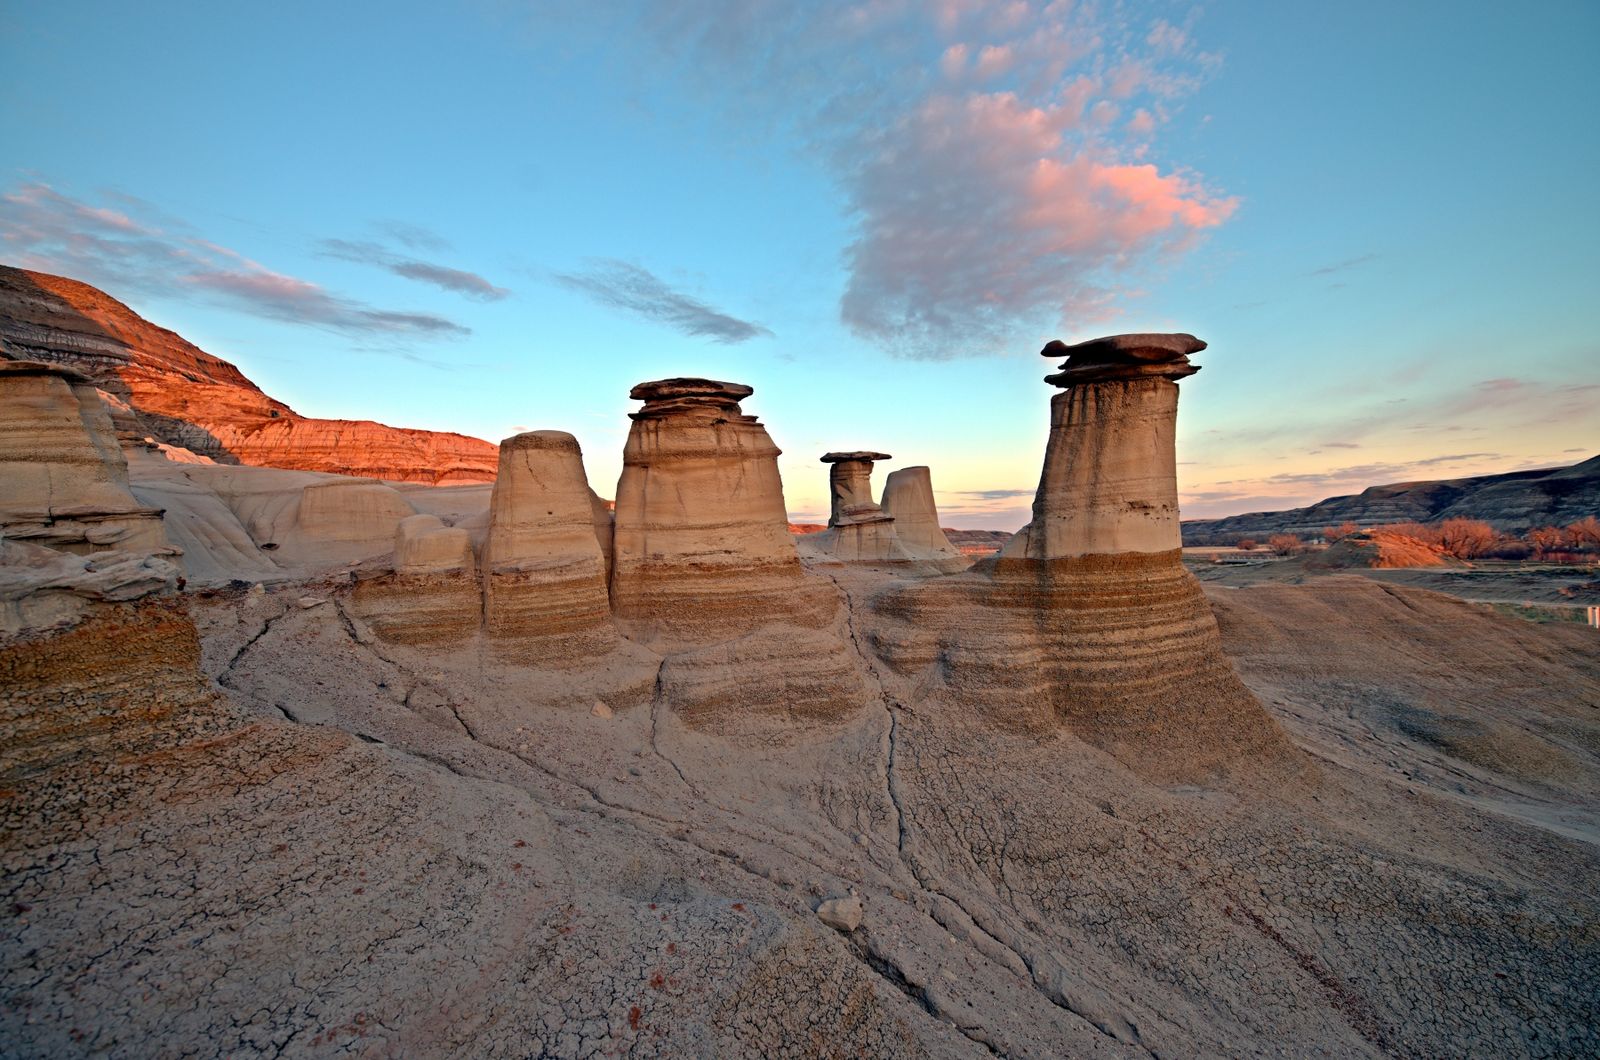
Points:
[[954, 61], [993, 61], [992, 155], [981, 210]]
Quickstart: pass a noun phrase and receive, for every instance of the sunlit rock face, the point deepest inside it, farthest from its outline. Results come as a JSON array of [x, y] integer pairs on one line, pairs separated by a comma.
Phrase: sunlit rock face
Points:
[[63, 476], [544, 574], [1087, 619], [701, 548], [171, 390]]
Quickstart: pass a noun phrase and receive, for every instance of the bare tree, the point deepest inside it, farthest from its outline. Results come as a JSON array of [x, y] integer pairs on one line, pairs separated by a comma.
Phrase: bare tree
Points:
[[1466, 538], [1339, 533], [1286, 544]]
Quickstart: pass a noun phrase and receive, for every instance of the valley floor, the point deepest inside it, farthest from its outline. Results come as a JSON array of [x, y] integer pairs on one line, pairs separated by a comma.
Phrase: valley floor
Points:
[[402, 852]]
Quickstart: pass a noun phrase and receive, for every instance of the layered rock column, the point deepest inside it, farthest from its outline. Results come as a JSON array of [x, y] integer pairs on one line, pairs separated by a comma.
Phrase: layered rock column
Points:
[[1087, 619], [1110, 481], [908, 498], [544, 574], [66, 478], [701, 548]]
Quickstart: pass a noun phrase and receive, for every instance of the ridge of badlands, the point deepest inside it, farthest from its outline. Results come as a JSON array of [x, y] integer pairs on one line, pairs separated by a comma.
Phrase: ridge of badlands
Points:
[[164, 388]]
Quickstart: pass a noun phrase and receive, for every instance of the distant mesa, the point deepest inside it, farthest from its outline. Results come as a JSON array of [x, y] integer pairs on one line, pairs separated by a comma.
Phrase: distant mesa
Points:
[[1514, 502]]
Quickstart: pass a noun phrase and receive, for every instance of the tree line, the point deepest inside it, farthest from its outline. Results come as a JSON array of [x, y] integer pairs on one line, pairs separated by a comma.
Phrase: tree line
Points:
[[1465, 539]]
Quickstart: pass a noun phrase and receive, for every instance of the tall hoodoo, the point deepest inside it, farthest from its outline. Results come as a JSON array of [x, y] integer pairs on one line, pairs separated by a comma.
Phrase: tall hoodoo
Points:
[[701, 549], [1090, 620], [544, 574], [1110, 481], [850, 486]]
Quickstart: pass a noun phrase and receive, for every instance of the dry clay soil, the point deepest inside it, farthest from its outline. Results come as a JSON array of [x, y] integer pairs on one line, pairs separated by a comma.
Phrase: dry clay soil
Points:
[[384, 851]]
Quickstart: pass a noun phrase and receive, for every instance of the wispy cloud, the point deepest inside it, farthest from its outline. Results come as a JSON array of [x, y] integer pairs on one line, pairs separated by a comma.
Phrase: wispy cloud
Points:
[[996, 159], [459, 281], [635, 289], [137, 250], [994, 495], [411, 236], [1343, 266]]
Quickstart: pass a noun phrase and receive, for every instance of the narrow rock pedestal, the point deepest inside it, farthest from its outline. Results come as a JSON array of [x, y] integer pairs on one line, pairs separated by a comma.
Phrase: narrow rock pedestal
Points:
[[1087, 619]]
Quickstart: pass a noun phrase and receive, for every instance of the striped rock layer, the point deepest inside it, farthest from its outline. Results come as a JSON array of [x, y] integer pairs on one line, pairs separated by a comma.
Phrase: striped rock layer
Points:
[[1087, 620], [1121, 651], [544, 574], [702, 551]]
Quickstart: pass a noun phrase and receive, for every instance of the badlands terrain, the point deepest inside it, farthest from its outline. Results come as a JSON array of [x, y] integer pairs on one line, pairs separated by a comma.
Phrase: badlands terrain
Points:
[[419, 764]]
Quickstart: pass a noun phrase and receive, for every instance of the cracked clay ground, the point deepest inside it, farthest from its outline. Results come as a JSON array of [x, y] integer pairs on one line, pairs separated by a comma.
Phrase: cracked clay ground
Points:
[[406, 852]]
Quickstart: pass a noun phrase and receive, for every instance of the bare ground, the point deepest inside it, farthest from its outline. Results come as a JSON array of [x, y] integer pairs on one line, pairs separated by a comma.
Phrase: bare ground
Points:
[[419, 853]]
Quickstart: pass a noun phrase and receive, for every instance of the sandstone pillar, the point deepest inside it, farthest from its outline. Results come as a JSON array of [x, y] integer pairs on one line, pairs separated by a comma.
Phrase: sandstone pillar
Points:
[[850, 485], [701, 548], [1110, 482], [544, 575], [908, 498]]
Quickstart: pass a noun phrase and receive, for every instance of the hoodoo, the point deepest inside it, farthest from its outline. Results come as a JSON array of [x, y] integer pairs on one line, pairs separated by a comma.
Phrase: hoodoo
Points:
[[1091, 620], [544, 573], [705, 572], [859, 530], [1110, 482], [701, 550], [908, 497], [850, 487], [66, 479]]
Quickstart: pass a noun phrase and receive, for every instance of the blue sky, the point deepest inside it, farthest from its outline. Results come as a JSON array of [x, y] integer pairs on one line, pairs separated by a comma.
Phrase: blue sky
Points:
[[500, 216]]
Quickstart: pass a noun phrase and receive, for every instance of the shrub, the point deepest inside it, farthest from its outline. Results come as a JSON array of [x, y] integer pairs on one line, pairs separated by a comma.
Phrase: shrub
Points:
[[1466, 538], [1584, 533], [1246, 544], [1331, 534], [1546, 540], [1286, 544]]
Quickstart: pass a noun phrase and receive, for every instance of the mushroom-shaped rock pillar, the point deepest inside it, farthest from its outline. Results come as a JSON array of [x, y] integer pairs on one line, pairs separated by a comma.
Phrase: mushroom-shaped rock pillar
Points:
[[701, 548], [1110, 482], [850, 485], [1089, 618]]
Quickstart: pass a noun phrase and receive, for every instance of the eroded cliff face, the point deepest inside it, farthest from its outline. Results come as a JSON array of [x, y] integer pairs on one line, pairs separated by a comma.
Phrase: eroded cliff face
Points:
[[183, 396]]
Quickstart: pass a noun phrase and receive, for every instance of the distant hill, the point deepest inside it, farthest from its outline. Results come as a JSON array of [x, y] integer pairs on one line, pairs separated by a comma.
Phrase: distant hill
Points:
[[162, 386], [1513, 502]]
